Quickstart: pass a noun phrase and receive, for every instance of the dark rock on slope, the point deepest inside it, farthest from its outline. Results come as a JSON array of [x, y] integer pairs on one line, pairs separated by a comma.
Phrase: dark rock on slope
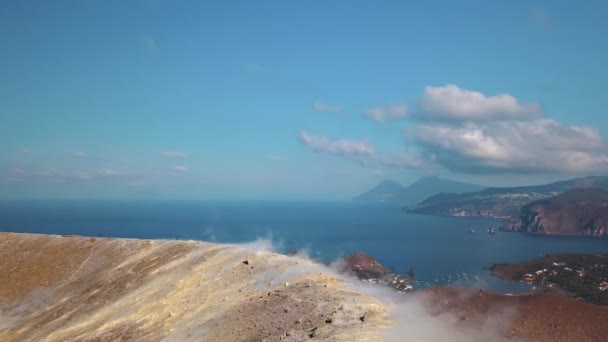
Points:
[[581, 211], [499, 202], [366, 268]]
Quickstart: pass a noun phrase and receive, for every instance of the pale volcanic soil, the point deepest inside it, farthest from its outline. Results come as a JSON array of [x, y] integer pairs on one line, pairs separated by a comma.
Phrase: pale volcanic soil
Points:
[[55, 288]]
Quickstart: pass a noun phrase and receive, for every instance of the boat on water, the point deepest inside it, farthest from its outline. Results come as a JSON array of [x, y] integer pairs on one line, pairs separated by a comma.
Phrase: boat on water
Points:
[[492, 230], [471, 231]]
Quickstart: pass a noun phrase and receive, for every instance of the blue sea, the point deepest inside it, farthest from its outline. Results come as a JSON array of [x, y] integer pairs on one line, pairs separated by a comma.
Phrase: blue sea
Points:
[[439, 249]]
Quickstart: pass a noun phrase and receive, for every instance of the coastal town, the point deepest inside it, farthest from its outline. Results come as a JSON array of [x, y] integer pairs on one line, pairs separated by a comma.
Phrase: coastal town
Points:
[[584, 276]]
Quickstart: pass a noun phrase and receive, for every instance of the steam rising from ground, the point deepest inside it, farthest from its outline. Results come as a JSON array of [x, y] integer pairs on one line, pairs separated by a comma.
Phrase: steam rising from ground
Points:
[[415, 316], [185, 290]]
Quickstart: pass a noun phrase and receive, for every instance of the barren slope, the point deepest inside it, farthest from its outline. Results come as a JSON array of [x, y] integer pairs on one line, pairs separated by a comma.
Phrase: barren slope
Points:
[[55, 288], [92, 289]]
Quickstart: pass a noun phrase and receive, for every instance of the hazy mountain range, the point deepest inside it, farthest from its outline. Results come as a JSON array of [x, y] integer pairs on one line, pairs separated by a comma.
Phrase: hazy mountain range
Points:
[[391, 192], [570, 207]]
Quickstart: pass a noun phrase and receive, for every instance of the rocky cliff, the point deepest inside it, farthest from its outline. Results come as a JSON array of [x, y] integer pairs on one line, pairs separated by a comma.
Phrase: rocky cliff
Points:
[[582, 211], [367, 268], [500, 202]]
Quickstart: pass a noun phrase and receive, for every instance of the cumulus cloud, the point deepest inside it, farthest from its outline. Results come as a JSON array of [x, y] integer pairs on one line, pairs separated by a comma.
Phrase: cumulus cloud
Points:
[[324, 107], [386, 113], [454, 103], [541, 145], [350, 148], [174, 154], [180, 168], [365, 153], [470, 132]]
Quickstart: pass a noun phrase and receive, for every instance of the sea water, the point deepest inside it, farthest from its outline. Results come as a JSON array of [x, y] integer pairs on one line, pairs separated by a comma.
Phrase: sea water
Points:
[[440, 250]]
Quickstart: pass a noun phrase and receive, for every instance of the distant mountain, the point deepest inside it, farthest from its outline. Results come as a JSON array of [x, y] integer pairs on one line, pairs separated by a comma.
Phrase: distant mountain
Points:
[[392, 192], [432, 185], [582, 211], [387, 191], [499, 202]]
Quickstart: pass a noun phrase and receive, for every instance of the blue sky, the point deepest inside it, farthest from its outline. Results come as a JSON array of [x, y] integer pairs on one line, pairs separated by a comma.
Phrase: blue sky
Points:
[[276, 99]]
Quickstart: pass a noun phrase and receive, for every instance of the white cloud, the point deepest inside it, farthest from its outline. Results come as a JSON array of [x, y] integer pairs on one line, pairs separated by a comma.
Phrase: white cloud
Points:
[[80, 154], [541, 145], [378, 173], [386, 113], [180, 168], [175, 154], [455, 103], [51, 172], [95, 175], [324, 107], [467, 131], [26, 151], [15, 174], [84, 175], [351, 148], [108, 173]]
